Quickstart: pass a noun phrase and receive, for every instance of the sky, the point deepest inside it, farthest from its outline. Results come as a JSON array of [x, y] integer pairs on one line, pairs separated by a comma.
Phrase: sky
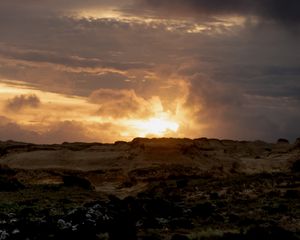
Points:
[[109, 70]]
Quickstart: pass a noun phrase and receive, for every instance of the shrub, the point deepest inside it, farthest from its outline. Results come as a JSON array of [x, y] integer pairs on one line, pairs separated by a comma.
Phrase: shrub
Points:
[[282, 140], [296, 166], [8, 184], [203, 210], [75, 181], [6, 170]]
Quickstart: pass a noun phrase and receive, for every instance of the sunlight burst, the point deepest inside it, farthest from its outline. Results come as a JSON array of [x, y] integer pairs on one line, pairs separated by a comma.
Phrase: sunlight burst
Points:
[[156, 126]]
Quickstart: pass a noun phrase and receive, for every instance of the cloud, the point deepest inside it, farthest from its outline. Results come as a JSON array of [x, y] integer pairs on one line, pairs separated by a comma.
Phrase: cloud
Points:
[[120, 103], [4, 120], [279, 10], [61, 6], [70, 131], [63, 131], [57, 132], [242, 76], [226, 110], [23, 101]]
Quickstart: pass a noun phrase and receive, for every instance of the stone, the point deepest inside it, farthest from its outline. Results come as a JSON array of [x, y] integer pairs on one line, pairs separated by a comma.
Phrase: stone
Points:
[[63, 225], [3, 235]]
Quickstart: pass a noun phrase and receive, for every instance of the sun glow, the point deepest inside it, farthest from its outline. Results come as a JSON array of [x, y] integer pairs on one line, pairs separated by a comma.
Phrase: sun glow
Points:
[[155, 126]]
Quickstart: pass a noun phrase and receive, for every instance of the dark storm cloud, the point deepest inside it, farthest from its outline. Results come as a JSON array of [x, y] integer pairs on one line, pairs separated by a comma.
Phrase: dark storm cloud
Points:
[[234, 114], [280, 10], [23, 101]]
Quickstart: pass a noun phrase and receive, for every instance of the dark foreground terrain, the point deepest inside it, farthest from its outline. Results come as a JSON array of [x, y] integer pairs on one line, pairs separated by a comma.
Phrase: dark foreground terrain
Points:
[[159, 201]]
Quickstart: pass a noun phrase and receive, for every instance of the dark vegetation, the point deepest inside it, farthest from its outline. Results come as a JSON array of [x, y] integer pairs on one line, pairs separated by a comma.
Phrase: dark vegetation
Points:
[[7, 180], [75, 181], [262, 206], [296, 166]]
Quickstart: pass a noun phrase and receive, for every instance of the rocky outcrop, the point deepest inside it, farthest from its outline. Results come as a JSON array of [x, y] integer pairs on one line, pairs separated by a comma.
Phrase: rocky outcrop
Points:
[[143, 159]]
